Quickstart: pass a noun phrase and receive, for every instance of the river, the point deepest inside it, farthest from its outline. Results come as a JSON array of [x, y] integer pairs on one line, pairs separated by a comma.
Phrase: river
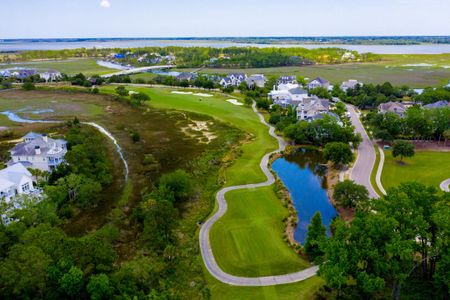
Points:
[[24, 45], [303, 174]]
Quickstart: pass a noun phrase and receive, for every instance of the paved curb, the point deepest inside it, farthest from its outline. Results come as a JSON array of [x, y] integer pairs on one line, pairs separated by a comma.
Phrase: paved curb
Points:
[[205, 244]]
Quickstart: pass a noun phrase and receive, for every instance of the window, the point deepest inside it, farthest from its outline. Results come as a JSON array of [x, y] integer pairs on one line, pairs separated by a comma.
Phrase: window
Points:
[[26, 187]]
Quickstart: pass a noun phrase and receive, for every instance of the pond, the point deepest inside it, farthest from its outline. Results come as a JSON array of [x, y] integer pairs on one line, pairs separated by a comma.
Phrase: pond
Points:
[[304, 175]]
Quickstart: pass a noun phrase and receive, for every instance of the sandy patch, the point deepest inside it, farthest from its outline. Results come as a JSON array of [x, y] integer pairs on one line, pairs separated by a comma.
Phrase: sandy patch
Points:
[[201, 127], [235, 102], [3, 128], [181, 93], [203, 95], [132, 93]]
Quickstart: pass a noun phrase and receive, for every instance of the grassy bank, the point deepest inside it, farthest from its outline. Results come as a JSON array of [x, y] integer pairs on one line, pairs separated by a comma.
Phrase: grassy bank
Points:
[[425, 166]]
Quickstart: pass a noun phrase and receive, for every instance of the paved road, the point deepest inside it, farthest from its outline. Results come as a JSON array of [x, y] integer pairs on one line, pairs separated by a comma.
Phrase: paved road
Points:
[[366, 155], [445, 185], [205, 245]]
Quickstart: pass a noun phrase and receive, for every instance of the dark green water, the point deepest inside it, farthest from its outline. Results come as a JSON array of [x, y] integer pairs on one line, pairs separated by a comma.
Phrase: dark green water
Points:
[[303, 174]]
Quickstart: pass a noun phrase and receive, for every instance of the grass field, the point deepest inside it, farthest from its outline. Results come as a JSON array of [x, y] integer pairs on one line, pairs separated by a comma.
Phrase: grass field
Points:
[[426, 167], [69, 67], [392, 68], [253, 222], [248, 236]]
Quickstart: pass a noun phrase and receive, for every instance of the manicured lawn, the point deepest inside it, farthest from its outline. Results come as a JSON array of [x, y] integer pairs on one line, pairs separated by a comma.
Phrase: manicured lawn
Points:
[[69, 67], [247, 241], [392, 68], [426, 167]]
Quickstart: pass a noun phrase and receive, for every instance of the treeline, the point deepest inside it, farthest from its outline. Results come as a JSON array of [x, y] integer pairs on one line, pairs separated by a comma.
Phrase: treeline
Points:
[[243, 57], [394, 248], [418, 123], [370, 95]]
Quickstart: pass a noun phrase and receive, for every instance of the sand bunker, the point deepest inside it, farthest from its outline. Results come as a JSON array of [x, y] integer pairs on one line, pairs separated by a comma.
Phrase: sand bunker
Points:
[[235, 102], [203, 95], [181, 93]]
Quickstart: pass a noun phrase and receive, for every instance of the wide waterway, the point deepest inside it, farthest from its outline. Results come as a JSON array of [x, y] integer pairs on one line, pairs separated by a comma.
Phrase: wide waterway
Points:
[[303, 174], [24, 45]]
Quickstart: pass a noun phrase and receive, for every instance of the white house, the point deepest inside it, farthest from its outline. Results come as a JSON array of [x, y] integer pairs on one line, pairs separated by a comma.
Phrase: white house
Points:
[[233, 79], [350, 84], [50, 75], [285, 79], [318, 82], [15, 180], [287, 94], [256, 79], [39, 152]]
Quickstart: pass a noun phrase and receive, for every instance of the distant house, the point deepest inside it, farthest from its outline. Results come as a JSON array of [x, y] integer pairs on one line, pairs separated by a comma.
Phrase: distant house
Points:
[[287, 79], [186, 76], [287, 95], [258, 80], [393, 107], [318, 82], [38, 151], [5, 73], [350, 84], [15, 180], [311, 107], [233, 79], [50, 75], [23, 73], [438, 104]]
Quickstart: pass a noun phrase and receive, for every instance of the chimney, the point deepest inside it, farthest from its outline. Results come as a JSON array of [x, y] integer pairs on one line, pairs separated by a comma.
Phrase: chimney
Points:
[[37, 150], [45, 138]]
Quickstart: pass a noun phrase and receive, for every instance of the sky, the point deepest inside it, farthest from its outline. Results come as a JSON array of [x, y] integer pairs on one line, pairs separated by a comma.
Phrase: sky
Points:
[[212, 18]]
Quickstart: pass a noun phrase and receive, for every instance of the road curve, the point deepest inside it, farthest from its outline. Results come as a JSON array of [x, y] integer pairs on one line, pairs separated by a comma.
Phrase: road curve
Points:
[[445, 185], [365, 161], [380, 171], [205, 245]]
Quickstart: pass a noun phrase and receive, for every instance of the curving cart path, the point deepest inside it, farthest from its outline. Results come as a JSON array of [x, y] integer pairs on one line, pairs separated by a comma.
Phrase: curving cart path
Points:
[[445, 185], [205, 245]]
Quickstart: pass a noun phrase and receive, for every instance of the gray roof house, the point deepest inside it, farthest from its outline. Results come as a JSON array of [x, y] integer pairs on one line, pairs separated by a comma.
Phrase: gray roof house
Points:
[[311, 107], [350, 84], [438, 104], [318, 82], [256, 79], [186, 76], [393, 107], [39, 152], [233, 79]]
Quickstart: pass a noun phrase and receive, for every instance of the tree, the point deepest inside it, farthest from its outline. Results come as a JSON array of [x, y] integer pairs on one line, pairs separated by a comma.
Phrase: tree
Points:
[[315, 237], [121, 91], [179, 182], [140, 97], [28, 86], [403, 149], [99, 287], [338, 153], [349, 194], [72, 282]]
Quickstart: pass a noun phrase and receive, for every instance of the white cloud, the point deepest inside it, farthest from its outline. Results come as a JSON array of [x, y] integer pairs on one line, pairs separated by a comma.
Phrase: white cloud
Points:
[[105, 4]]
